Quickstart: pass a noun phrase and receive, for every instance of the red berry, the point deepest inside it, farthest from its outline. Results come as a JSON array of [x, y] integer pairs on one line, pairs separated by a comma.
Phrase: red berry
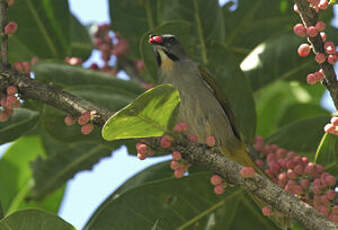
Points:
[[299, 169], [210, 141], [179, 172], [312, 31], [247, 172], [84, 118], [11, 100], [334, 121], [300, 30], [324, 210], [330, 180], [335, 209], [18, 66], [141, 156], [331, 59], [166, 141], [35, 60], [298, 190], [260, 163], [11, 27], [139, 65], [192, 138], [176, 155], [329, 47], [318, 76], [328, 128], [142, 148], [304, 50], [331, 194], [174, 165], [120, 48], [267, 211], [323, 5], [219, 189], [310, 79], [93, 66], [26, 66], [320, 26], [69, 120], [291, 174], [155, 39], [320, 58], [87, 129], [11, 90], [323, 36], [334, 217], [216, 180], [4, 116]]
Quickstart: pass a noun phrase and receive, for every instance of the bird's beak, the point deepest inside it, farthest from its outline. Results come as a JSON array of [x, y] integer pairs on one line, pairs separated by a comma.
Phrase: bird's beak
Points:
[[156, 41]]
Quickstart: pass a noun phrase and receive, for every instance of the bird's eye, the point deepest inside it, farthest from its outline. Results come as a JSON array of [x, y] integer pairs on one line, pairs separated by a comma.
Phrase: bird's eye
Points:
[[172, 40]]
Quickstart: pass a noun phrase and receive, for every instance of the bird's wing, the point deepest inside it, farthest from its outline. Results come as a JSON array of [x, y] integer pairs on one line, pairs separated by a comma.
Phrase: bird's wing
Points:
[[212, 85]]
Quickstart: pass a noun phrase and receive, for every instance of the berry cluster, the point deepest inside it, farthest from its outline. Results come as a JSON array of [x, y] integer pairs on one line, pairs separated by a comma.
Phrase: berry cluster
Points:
[[8, 102], [332, 126], [298, 176], [143, 151], [179, 165], [219, 184], [23, 67], [84, 120], [330, 56]]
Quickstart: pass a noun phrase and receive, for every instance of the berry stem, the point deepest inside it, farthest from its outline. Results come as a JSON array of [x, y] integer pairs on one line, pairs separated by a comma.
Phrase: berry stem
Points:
[[4, 36]]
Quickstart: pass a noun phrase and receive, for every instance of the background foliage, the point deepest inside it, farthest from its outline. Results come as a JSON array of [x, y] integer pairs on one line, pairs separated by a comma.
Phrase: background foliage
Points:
[[251, 52]]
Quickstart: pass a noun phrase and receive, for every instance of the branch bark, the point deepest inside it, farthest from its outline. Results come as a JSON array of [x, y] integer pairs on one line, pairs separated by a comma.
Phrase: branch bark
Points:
[[310, 18]]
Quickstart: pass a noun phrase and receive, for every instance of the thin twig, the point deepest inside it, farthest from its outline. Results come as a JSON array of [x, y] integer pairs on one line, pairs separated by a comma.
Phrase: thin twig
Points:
[[4, 36]]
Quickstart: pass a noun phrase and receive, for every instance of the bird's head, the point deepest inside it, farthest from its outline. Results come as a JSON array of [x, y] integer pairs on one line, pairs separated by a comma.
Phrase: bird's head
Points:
[[167, 48]]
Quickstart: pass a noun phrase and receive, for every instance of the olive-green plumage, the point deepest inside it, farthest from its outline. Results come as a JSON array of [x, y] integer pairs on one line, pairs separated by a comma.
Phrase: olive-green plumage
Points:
[[202, 105]]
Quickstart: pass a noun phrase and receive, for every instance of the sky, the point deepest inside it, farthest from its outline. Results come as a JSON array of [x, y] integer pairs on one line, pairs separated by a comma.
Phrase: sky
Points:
[[88, 189]]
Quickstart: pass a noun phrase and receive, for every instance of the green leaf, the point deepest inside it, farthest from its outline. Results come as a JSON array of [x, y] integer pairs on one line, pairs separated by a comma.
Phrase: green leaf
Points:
[[235, 87], [301, 136], [154, 197], [148, 116], [327, 151], [297, 112], [19, 123], [34, 219], [45, 30], [271, 115], [276, 58], [63, 162], [16, 177]]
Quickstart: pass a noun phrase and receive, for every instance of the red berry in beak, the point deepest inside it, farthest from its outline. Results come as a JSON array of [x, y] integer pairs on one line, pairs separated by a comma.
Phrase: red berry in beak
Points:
[[155, 39]]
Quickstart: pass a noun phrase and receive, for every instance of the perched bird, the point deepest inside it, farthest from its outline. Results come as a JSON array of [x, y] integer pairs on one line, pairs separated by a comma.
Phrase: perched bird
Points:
[[202, 105]]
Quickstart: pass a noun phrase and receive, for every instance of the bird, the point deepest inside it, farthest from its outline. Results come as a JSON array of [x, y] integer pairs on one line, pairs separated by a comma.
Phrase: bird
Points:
[[202, 105]]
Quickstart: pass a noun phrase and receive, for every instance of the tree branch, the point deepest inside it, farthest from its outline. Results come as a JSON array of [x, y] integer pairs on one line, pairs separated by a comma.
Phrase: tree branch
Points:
[[194, 153], [3, 35], [310, 18], [52, 95]]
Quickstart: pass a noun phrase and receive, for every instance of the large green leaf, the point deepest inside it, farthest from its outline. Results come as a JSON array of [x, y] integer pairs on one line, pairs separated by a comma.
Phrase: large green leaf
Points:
[[148, 116], [19, 123], [301, 136], [235, 87], [327, 152], [272, 115], [155, 199], [46, 29], [16, 179], [63, 162], [276, 58], [34, 219]]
